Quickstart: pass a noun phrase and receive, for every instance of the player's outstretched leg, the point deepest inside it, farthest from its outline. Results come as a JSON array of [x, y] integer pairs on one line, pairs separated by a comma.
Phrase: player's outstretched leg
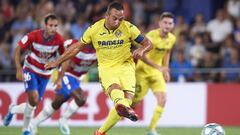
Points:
[[122, 104], [8, 118]]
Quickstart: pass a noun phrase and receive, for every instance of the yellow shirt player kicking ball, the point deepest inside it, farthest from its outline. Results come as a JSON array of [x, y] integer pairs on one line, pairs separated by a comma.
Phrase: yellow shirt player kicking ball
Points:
[[152, 70], [112, 38]]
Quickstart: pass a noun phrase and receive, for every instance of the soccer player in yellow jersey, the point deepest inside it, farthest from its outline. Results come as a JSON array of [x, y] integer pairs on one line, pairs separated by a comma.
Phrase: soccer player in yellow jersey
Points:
[[112, 38], [152, 70]]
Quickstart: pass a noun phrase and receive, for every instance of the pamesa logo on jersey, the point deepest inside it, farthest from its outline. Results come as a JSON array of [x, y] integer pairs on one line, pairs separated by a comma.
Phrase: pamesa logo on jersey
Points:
[[110, 42]]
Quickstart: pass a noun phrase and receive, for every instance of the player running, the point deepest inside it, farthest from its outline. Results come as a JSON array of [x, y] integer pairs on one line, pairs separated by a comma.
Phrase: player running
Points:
[[43, 45], [112, 38], [152, 70], [68, 85]]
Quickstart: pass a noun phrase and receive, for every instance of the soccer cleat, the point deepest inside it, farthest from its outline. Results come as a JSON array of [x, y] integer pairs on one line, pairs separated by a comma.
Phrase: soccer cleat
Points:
[[33, 129], [8, 118], [63, 126], [153, 132], [126, 112], [26, 133], [98, 133]]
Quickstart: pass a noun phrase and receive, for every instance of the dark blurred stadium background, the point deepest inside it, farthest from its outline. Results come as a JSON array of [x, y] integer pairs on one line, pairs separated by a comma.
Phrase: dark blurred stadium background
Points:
[[208, 32]]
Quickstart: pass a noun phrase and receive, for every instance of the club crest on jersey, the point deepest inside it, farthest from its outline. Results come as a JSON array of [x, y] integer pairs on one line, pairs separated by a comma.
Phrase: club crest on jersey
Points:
[[118, 33]]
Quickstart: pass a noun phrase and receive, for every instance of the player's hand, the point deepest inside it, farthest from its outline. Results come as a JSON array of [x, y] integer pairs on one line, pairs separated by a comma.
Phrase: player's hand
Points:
[[19, 74], [50, 65], [166, 76], [163, 69], [58, 84], [138, 53]]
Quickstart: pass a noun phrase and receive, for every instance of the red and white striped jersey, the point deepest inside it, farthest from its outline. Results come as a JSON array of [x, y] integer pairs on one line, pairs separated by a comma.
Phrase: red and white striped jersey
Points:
[[41, 51], [82, 62]]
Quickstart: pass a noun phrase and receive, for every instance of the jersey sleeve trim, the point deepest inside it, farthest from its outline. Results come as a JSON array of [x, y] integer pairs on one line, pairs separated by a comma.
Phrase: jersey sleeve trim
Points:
[[22, 45], [83, 41]]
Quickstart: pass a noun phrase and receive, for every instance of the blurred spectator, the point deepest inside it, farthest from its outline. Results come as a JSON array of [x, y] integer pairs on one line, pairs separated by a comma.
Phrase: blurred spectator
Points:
[[99, 10], [151, 8], [220, 27], [138, 12], [5, 59], [211, 60], [181, 63], [182, 44], [25, 6], [233, 63], [84, 7], [226, 48], [69, 10], [237, 32], [78, 27], [181, 26], [43, 8], [197, 51], [6, 63], [199, 25], [233, 8], [7, 10], [63, 27], [23, 24]]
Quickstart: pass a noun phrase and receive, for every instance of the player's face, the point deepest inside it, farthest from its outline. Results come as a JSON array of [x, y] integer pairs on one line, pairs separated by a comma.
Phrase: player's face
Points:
[[166, 24], [114, 18], [51, 26]]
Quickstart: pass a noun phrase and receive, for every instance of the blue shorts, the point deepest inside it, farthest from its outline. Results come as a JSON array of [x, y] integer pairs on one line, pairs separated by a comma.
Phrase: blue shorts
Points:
[[69, 84], [33, 81]]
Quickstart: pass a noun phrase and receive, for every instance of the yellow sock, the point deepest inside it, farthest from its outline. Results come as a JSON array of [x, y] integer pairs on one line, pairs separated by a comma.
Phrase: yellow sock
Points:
[[118, 97], [129, 101], [111, 120], [156, 116]]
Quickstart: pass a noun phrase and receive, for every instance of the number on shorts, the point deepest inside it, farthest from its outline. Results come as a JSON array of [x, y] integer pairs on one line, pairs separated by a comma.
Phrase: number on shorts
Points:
[[66, 82], [27, 76]]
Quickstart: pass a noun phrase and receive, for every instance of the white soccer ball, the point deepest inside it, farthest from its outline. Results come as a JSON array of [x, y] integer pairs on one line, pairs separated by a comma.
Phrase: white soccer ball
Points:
[[213, 129]]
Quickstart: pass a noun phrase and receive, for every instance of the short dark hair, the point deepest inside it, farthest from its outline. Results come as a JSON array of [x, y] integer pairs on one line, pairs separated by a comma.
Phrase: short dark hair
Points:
[[50, 16], [166, 14], [115, 5]]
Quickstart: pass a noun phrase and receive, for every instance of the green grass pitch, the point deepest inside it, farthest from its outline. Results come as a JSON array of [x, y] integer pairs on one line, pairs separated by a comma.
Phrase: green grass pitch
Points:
[[116, 131]]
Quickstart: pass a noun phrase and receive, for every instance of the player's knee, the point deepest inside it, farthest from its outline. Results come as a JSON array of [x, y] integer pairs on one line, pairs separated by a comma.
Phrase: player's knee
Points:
[[80, 101], [114, 86], [33, 101], [162, 102], [56, 105]]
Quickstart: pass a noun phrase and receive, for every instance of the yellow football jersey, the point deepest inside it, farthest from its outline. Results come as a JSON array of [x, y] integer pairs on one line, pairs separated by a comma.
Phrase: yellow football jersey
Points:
[[112, 46], [160, 48]]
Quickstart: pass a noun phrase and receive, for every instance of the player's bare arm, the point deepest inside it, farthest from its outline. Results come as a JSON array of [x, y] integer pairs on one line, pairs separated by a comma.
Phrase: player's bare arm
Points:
[[17, 59], [68, 54], [154, 65], [166, 60], [58, 82], [146, 46]]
